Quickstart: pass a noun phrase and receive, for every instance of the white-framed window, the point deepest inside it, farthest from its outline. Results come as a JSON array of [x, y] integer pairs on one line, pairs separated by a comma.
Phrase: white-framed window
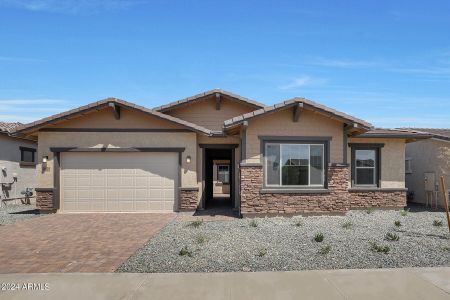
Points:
[[294, 165], [365, 162], [408, 165], [223, 174]]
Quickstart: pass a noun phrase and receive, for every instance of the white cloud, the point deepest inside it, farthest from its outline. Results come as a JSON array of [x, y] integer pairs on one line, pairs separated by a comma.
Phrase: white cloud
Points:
[[70, 6], [302, 81]]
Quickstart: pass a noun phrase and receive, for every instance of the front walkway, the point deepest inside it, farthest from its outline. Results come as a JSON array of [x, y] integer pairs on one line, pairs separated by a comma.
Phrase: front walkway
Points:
[[75, 242], [410, 284]]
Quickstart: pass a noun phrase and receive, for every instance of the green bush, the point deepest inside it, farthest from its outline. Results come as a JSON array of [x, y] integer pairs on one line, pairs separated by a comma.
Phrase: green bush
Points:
[[261, 252], [398, 223], [325, 250], [185, 251], [391, 237], [318, 237], [437, 223], [379, 248], [404, 213], [347, 225], [253, 223], [196, 223]]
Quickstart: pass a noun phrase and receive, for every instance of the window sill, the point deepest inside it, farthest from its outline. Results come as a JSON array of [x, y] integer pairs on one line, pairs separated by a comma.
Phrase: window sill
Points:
[[376, 189], [27, 164], [294, 191]]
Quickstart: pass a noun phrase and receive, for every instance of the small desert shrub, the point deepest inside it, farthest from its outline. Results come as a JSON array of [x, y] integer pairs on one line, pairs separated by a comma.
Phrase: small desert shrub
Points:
[[261, 252], [347, 225], [379, 248], [298, 223], [370, 210], [185, 251], [200, 239], [437, 223], [404, 213], [391, 237], [446, 248], [325, 250], [253, 223], [398, 223], [318, 237], [196, 223]]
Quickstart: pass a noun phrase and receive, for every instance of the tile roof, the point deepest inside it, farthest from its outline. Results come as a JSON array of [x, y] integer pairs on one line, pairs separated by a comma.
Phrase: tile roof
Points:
[[395, 133], [8, 127], [205, 94], [438, 133], [285, 104], [104, 103]]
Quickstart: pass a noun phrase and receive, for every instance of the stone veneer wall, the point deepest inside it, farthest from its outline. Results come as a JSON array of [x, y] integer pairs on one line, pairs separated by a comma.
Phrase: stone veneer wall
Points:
[[44, 199], [188, 199], [338, 200]]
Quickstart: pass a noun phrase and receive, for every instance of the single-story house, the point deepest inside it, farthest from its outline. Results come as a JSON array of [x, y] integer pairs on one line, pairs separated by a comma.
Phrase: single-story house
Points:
[[17, 162], [426, 161], [293, 157]]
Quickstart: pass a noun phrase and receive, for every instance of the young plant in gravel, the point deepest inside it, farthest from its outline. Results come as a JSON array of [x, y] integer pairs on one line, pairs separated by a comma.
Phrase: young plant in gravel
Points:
[[404, 213], [437, 223], [318, 237], [446, 248], [370, 210], [391, 237], [261, 252], [200, 239], [398, 223], [379, 248], [185, 251], [347, 225], [298, 223], [325, 250], [253, 223], [196, 223]]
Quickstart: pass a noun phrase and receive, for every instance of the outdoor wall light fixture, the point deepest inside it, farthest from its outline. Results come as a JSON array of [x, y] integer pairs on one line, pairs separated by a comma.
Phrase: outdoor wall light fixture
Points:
[[44, 159], [188, 159]]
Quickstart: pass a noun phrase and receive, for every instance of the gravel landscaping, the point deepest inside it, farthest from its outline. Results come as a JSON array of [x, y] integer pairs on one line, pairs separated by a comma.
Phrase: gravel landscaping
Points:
[[361, 239], [12, 213]]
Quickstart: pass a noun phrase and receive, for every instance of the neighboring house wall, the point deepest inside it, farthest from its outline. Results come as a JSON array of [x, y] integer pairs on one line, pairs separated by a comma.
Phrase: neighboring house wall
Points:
[[204, 112], [10, 159], [280, 123], [392, 160], [432, 156]]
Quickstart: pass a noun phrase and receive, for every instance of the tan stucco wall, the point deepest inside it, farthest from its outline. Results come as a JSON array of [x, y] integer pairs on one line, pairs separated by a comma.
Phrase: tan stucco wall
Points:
[[204, 112], [281, 124], [128, 119], [427, 156], [392, 160], [105, 119]]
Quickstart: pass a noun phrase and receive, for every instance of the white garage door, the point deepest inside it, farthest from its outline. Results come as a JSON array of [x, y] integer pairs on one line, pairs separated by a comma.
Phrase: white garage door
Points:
[[118, 181]]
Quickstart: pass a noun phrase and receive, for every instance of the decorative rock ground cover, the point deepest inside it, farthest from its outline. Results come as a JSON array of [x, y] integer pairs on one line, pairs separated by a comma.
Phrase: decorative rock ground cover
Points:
[[361, 239]]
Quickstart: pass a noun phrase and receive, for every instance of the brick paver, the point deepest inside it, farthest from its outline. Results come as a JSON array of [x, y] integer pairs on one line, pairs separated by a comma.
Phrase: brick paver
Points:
[[75, 242]]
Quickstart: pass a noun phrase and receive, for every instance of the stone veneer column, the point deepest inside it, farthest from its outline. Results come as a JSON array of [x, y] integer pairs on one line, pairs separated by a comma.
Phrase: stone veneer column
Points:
[[188, 199], [44, 199]]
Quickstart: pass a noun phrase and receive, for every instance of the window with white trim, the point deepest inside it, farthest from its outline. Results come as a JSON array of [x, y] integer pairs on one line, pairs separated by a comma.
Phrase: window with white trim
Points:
[[223, 174], [294, 165]]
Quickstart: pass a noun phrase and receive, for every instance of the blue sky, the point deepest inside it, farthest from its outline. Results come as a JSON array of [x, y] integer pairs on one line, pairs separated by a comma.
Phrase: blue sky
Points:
[[387, 62]]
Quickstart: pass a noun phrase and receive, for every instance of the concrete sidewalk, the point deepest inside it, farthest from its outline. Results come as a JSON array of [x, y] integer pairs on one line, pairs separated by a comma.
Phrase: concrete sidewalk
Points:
[[418, 283]]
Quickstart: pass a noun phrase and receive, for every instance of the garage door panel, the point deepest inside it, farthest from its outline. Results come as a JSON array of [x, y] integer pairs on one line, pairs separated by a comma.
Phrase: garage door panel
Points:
[[118, 181]]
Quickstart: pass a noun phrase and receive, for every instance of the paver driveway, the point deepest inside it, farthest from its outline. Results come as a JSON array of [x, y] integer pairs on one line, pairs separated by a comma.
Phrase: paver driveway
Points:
[[75, 242]]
